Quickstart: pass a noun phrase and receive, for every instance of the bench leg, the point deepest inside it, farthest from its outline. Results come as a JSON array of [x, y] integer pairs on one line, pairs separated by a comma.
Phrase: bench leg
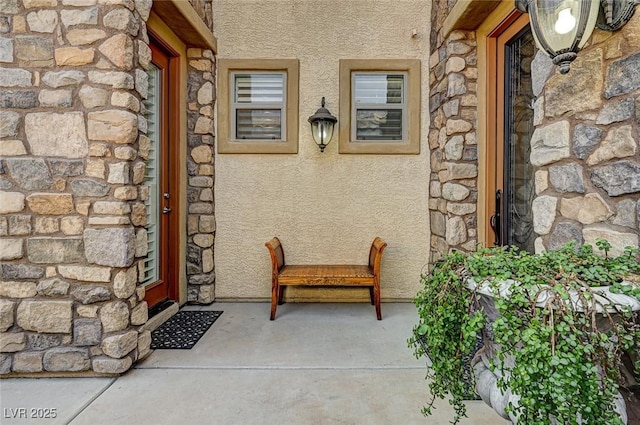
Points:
[[274, 298], [376, 296], [280, 294], [371, 295]]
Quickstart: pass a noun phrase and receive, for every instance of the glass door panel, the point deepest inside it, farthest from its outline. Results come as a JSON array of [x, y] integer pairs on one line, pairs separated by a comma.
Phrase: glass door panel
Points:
[[510, 177], [159, 274], [518, 179], [152, 176]]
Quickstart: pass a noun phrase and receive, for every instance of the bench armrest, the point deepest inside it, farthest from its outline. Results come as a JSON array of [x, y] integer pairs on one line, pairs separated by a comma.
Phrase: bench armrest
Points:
[[375, 255], [276, 253]]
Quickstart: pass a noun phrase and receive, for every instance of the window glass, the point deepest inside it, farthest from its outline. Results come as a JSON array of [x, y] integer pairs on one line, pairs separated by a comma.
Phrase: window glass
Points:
[[259, 104], [254, 88], [379, 104], [379, 88], [259, 124], [378, 124], [152, 175]]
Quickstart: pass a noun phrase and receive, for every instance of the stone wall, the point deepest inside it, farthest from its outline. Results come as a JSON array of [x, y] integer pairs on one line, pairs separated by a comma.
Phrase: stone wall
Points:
[[72, 79], [586, 144], [203, 8], [453, 104], [201, 224], [72, 213]]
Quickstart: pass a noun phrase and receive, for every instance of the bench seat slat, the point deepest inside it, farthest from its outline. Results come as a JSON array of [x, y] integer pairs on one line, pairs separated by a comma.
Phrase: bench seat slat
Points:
[[329, 270], [329, 275]]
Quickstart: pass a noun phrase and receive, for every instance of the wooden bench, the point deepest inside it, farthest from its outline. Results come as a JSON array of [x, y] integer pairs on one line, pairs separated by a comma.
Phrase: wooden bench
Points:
[[284, 274]]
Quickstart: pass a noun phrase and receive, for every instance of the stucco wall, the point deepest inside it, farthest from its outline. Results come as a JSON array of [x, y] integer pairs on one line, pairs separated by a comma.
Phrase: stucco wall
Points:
[[325, 207]]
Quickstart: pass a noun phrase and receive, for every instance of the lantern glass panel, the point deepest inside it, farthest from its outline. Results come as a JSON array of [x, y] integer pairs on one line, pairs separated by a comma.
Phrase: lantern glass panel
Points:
[[560, 22], [322, 131]]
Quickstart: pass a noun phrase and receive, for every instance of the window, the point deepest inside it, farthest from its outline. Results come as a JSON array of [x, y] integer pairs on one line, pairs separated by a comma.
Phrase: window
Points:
[[258, 106], [257, 110], [380, 106]]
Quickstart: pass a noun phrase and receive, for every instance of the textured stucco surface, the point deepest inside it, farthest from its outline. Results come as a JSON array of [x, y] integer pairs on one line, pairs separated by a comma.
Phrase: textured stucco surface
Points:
[[325, 207]]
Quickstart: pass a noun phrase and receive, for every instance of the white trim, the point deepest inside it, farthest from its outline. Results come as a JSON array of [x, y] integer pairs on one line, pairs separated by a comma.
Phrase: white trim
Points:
[[379, 106], [282, 106]]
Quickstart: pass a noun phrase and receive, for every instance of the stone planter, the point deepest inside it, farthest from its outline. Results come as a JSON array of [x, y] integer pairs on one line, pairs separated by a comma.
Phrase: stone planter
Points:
[[486, 380]]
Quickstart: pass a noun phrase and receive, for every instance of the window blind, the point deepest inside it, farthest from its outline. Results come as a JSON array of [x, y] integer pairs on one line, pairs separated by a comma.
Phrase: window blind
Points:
[[379, 89], [258, 106], [152, 104], [379, 106], [259, 88]]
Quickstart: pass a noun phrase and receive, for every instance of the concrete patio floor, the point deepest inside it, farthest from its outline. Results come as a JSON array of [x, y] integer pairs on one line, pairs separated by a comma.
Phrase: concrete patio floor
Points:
[[315, 364]]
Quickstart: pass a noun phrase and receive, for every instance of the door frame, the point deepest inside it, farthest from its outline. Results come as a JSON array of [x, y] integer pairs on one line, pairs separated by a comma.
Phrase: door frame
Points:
[[166, 60], [175, 242], [489, 91]]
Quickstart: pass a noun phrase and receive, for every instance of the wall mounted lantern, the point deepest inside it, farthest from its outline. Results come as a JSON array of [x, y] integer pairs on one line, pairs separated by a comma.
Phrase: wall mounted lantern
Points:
[[562, 27], [322, 124]]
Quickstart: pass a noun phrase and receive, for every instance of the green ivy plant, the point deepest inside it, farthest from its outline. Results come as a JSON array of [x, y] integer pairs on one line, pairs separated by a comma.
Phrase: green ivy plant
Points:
[[566, 366]]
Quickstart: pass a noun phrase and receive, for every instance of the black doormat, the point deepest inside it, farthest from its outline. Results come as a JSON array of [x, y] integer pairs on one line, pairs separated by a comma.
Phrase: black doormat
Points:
[[183, 330]]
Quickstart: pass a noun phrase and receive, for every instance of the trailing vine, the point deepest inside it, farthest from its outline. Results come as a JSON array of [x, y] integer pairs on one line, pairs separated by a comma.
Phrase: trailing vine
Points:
[[566, 341]]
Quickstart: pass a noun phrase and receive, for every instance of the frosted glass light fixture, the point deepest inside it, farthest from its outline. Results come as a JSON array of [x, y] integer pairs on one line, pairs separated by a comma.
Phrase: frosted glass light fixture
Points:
[[562, 27], [322, 125]]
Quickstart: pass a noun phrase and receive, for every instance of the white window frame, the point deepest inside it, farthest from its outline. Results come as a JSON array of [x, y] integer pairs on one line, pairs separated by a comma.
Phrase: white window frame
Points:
[[410, 143], [282, 106], [380, 106], [227, 106]]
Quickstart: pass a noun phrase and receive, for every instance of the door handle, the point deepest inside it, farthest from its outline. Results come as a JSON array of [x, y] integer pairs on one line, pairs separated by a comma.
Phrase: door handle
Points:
[[166, 210], [496, 219]]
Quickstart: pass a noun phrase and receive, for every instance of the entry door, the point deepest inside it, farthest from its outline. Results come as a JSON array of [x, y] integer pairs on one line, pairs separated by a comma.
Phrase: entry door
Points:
[[511, 50], [160, 266]]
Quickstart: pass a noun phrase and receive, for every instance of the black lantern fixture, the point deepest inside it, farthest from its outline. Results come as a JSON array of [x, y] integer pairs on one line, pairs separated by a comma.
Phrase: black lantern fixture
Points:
[[322, 124], [562, 27]]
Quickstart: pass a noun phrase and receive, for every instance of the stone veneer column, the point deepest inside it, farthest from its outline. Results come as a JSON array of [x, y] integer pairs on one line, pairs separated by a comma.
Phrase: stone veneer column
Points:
[[72, 78], [201, 224], [453, 104], [586, 144]]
